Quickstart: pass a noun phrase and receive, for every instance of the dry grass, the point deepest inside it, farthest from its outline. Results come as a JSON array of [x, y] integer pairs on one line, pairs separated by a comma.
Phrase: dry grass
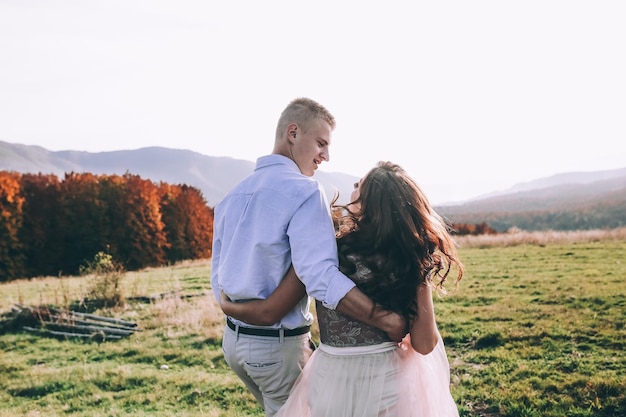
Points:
[[516, 237], [178, 317], [42, 291], [60, 291], [173, 365]]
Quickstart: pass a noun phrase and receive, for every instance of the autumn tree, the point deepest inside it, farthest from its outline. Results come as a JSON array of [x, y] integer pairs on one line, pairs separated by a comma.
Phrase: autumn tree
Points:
[[40, 234], [81, 220], [142, 242], [462, 229], [113, 191], [49, 227], [188, 222], [11, 217]]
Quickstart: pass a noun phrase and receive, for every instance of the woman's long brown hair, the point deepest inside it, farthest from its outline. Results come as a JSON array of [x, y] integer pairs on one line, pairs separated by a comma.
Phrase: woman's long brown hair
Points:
[[398, 236]]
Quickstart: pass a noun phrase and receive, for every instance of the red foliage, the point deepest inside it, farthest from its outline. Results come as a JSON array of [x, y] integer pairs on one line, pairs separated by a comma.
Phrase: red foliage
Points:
[[188, 220], [11, 217], [49, 227], [462, 229]]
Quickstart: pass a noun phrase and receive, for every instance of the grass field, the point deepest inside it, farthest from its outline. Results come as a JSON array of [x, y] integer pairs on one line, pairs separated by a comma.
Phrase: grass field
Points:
[[535, 329]]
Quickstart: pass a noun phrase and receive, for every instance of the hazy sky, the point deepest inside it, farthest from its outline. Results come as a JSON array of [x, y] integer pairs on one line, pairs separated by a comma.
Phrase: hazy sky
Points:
[[468, 96]]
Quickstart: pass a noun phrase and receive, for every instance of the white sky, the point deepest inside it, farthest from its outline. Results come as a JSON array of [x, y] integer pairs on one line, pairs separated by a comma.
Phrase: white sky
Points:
[[468, 96]]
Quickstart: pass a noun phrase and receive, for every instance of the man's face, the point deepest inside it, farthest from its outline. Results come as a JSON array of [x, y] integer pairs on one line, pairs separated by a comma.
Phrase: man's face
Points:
[[310, 148]]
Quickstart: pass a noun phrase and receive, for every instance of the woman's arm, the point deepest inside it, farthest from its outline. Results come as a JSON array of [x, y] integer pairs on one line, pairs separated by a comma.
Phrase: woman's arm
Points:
[[424, 333], [267, 312]]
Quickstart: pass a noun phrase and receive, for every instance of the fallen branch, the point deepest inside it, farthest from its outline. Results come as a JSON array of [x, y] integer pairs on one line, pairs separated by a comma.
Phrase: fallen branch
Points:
[[65, 323], [69, 334]]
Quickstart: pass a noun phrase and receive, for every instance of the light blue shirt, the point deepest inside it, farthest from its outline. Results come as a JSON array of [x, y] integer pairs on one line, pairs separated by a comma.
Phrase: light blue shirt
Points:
[[275, 217]]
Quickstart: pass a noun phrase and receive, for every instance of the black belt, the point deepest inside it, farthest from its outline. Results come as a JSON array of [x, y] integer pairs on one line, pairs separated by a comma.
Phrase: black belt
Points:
[[268, 332]]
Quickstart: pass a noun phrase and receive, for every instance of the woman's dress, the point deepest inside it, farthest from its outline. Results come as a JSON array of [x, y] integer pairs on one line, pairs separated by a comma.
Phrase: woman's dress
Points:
[[359, 372]]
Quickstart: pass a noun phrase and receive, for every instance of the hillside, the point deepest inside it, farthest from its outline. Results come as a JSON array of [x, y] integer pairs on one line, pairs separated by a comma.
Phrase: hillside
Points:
[[214, 176], [567, 201], [581, 203]]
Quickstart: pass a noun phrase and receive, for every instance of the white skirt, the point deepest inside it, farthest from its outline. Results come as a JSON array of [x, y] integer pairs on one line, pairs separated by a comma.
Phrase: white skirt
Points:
[[386, 380]]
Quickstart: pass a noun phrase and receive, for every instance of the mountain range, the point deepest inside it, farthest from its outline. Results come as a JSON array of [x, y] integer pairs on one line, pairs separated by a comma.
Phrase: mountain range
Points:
[[588, 192], [212, 175]]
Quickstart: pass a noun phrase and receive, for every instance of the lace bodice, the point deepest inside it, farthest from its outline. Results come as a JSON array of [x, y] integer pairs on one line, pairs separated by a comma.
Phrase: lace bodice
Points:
[[339, 330]]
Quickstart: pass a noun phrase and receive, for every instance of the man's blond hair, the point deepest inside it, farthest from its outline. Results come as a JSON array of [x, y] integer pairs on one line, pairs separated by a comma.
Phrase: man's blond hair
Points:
[[302, 111]]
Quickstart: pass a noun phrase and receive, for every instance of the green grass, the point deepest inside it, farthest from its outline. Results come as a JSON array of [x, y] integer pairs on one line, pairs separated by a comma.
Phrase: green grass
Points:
[[539, 331], [533, 330]]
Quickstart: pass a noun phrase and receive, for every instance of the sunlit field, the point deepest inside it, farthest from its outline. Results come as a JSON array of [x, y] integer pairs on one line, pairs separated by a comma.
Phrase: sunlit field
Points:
[[537, 328]]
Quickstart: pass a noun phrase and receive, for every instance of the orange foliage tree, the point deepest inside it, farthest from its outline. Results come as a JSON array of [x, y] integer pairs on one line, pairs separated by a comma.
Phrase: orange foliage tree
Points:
[[82, 220], [472, 229], [143, 241], [188, 222], [49, 227], [11, 216], [40, 234]]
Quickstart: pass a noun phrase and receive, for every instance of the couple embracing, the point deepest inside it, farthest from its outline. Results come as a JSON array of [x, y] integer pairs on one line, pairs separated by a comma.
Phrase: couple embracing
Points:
[[371, 266]]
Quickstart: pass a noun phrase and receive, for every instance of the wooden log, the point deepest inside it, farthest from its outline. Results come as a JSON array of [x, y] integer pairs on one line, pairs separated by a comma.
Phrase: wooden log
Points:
[[66, 334], [119, 322], [56, 322], [68, 314], [71, 318], [92, 329]]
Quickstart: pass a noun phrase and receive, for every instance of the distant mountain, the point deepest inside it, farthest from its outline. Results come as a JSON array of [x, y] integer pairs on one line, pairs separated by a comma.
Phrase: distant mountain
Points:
[[568, 178], [214, 176], [570, 201], [564, 201]]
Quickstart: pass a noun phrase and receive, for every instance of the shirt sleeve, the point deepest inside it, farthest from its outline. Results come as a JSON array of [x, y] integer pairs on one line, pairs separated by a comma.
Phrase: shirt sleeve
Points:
[[314, 251], [215, 261]]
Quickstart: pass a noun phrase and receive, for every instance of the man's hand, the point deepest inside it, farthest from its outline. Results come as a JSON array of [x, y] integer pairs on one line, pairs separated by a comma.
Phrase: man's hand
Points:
[[223, 298], [396, 326]]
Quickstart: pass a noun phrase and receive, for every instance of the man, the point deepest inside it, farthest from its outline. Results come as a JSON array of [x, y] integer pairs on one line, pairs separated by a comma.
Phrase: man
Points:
[[278, 217]]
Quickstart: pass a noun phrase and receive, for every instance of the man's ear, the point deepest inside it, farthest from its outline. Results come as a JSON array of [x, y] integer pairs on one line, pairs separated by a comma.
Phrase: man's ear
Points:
[[292, 132]]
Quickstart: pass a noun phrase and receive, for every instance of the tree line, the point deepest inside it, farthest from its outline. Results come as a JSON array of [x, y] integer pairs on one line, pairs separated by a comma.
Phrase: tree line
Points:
[[465, 229], [608, 215], [50, 227]]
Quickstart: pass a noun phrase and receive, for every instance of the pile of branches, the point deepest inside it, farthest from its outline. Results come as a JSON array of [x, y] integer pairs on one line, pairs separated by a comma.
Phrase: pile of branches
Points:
[[50, 321]]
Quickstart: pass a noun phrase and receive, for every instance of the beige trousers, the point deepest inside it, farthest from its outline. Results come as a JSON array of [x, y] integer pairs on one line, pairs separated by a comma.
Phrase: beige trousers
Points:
[[268, 366]]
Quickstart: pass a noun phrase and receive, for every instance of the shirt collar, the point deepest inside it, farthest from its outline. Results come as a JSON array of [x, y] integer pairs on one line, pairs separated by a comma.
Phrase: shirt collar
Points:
[[276, 159]]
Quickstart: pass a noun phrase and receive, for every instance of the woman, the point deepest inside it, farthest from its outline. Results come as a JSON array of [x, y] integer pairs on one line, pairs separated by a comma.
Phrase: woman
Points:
[[397, 250]]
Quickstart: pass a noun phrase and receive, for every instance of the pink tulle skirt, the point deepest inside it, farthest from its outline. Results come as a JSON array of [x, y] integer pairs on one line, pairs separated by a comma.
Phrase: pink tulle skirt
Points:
[[383, 380]]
